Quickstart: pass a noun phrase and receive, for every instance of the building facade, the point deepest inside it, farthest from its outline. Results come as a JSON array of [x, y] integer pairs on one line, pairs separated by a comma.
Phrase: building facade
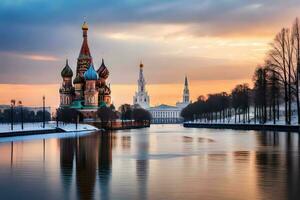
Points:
[[141, 97], [166, 114], [88, 91]]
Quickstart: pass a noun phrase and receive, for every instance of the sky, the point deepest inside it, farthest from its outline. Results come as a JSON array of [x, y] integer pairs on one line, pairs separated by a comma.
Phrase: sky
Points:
[[216, 43]]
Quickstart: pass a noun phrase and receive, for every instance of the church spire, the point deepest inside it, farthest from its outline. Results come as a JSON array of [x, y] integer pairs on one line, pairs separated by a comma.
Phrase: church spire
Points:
[[85, 51], [186, 92], [141, 96], [84, 59]]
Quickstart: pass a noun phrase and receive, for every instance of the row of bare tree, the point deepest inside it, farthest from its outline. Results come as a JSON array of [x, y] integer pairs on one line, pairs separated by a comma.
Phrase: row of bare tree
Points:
[[283, 61], [275, 82]]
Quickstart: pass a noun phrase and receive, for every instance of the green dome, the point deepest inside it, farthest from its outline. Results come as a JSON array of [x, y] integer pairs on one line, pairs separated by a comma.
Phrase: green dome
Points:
[[67, 71]]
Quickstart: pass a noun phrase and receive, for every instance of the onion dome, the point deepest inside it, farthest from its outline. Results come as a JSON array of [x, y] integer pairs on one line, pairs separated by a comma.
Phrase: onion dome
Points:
[[67, 71], [78, 79], [141, 65], [91, 74], [85, 26], [103, 71]]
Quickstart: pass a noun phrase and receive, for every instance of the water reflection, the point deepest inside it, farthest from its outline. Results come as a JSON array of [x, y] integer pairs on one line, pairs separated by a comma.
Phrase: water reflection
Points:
[[105, 163], [67, 153], [142, 165], [162, 162]]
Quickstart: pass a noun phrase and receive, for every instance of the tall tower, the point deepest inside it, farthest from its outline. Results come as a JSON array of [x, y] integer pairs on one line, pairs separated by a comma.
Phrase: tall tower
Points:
[[141, 96], [186, 92], [84, 59]]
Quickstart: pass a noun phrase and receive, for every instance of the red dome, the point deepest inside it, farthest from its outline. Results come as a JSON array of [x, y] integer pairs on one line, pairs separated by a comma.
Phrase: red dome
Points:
[[103, 71]]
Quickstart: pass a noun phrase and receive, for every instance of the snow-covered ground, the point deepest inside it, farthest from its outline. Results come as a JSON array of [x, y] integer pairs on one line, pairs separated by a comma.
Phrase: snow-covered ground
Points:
[[5, 128], [281, 121]]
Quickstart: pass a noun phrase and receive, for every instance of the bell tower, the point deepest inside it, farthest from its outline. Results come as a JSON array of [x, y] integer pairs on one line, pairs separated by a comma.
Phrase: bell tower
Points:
[[84, 59]]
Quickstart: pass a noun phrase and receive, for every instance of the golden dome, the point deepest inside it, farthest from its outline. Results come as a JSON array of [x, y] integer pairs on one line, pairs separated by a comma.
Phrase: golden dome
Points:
[[141, 65], [85, 26]]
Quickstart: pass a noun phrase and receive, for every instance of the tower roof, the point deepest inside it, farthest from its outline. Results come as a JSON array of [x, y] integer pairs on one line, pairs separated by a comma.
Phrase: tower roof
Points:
[[103, 71], [141, 65], [67, 71], [91, 74], [185, 81], [85, 26], [85, 50]]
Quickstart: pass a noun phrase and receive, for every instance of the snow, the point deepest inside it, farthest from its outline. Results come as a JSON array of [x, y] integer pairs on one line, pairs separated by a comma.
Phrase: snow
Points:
[[43, 136], [68, 127], [281, 121]]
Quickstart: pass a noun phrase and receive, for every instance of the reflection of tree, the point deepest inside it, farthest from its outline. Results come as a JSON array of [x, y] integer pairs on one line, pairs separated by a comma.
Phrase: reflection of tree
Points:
[[266, 138], [67, 151], [272, 165], [86, 166], [292, 167], [104, 163], [142, 164], [268, 164]]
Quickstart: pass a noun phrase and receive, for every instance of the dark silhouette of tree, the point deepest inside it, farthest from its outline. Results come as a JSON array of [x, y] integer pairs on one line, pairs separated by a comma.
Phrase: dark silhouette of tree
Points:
[[241, 102], [140, 115], [296, 42], [69, 115], [106, 114], [274, 88], [28, 116], [126, 112], [39, 116], [260, 94]]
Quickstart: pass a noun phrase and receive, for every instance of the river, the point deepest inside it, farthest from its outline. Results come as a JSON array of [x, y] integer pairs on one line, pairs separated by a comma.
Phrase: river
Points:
[[160, 162]]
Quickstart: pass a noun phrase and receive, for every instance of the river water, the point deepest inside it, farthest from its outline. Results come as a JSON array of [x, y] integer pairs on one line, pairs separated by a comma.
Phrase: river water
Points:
[[161, 162]]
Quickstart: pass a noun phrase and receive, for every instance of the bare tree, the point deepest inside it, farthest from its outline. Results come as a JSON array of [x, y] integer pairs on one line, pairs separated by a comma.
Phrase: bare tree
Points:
[[296, 39]]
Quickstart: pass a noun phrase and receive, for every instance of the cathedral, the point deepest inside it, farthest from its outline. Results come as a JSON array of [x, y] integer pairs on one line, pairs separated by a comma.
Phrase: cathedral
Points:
[[88, 91]]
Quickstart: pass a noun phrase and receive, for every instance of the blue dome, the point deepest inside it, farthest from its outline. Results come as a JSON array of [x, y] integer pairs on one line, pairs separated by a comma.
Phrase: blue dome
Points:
[[91, 74]]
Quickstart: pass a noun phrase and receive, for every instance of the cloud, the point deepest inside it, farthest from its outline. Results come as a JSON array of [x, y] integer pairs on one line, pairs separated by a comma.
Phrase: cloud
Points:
[[40, 57], [201, 37]]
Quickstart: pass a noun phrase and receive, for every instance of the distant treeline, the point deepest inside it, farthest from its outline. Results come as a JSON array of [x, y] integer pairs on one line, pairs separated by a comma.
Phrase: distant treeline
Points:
[[276, 82], [107, 114], [28, 116]]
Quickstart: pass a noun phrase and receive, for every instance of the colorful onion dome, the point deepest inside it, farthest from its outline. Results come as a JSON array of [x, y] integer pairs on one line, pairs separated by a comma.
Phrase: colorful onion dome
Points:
[[91, 74], [67, 71], [78, 79], [103, 71]]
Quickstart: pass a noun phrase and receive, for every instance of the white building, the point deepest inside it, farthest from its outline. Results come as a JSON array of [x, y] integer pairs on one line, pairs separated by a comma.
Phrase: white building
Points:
[[171, 114], [141, 96]]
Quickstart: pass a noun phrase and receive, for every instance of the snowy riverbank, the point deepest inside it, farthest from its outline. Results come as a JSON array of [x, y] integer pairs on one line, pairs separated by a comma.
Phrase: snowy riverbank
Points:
[[50, 127]]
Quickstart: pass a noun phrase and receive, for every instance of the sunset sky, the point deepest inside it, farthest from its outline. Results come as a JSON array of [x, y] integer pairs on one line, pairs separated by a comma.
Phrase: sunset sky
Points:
[[216, 43]]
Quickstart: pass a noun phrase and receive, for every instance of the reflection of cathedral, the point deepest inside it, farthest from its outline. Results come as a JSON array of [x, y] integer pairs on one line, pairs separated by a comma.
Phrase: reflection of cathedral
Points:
[[92, 154], [90, 90]]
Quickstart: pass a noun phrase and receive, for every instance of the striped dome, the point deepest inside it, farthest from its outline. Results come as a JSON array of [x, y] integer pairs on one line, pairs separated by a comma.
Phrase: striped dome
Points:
[[103, 71], [67, 71], [91, 74]]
